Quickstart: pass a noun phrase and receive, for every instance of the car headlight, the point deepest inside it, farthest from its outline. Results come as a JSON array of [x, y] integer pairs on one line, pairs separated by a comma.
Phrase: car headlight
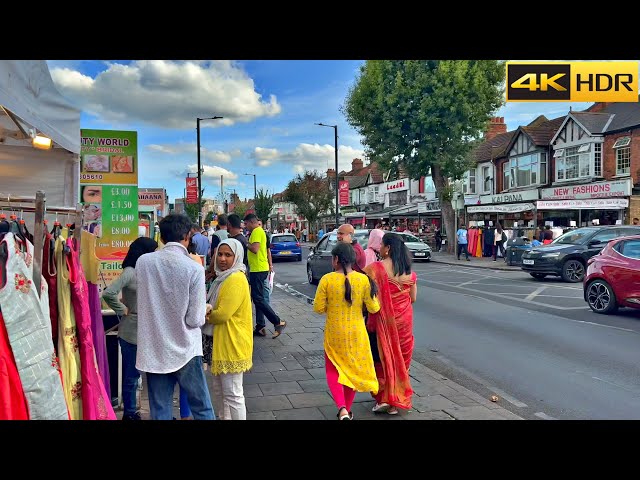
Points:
[[551, 255]]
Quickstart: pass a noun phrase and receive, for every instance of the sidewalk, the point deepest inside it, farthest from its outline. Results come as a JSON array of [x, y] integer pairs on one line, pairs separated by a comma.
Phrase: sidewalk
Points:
[[475, 262], [288, 382]]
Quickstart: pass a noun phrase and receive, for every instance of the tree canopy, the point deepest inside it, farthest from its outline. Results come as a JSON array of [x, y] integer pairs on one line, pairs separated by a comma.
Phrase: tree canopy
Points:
[[311, 195], [263, 205]]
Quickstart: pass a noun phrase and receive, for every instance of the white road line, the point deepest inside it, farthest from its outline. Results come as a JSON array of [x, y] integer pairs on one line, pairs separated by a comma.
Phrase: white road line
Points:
[[534, 294], [614, 384], [544, 416], [481, 381], [510, 279]]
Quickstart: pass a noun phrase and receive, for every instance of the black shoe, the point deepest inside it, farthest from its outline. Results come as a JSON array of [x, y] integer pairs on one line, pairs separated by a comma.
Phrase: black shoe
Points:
[[135, 416], [262, 332]]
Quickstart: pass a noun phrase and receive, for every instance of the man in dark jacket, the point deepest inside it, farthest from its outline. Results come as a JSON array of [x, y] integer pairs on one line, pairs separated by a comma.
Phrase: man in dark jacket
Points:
[[345, 234]]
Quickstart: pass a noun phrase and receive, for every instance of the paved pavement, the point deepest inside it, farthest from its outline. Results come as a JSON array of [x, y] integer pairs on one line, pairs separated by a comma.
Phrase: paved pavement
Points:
[[288, 381], [475, 262]]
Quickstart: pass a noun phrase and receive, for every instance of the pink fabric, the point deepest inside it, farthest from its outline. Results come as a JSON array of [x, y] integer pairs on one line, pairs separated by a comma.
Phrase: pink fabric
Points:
[[373, 247], [99, 337], [95, 400], [342, 395]]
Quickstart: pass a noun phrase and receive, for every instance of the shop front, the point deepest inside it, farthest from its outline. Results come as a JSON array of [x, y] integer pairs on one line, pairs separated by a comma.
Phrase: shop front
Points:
[[601, 203], [511, 210]]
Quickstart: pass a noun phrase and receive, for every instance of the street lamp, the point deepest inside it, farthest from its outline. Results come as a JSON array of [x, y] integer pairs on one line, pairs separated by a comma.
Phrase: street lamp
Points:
[[335, 128], [200, 168], [255, 193]]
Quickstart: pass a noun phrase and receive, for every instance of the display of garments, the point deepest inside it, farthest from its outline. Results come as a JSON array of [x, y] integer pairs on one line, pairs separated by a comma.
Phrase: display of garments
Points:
[[68, 348], [29, 332], [49, 272], [13, 403], [90, 262], [99, 337], [96, 404]]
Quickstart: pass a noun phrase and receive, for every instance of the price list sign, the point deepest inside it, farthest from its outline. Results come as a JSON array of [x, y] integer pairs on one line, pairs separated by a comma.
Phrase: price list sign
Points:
[[109, 192]]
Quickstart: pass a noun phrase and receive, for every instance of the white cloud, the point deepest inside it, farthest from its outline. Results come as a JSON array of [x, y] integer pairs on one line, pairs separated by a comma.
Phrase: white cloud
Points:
[[308, 156], [213, 156], [168, 94]]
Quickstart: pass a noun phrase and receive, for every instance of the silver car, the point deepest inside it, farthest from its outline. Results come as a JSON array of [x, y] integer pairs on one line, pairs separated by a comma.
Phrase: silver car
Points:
[[418, 249], [319, 259]]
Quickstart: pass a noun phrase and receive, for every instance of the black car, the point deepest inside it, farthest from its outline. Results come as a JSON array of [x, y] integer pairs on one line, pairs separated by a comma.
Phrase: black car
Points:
[[319, 259], [567, 255]]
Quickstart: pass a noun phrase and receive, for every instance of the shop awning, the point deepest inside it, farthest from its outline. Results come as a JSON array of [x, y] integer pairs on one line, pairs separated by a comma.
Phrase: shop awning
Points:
[[587, 204], [381, 214]]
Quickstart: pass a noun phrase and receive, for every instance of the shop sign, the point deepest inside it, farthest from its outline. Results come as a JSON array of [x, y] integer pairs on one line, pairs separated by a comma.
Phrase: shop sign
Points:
[[593, 204], [397, 186], [151, 196], [505, 208], [511, 197], [192, 190], [471, 199], [344, 192], [616, 188]]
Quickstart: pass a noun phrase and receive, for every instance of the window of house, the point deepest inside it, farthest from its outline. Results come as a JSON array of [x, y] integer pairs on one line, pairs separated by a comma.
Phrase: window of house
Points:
[[470, 182], [525, 170], [622, 142], [486, 179], [581, 161], [623, 161]]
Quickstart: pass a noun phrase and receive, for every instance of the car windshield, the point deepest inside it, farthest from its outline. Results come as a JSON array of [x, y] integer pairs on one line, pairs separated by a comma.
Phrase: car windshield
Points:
[[575, 237], [409, 238], [361, 237], [283, 239]]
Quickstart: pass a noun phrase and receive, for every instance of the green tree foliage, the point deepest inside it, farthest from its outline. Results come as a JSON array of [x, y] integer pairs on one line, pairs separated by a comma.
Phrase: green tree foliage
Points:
[[311, 195], [263, 205], [425, 114], [240, 208]]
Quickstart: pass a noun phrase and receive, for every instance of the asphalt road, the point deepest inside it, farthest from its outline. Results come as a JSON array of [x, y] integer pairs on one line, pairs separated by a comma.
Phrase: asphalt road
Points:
[[536, 345]]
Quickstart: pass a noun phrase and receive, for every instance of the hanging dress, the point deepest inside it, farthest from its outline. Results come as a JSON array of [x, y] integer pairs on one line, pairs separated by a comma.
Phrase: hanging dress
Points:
[[13, 403], [68, 348], [91, 264], [96, 404], [50, 276], [29, 333]]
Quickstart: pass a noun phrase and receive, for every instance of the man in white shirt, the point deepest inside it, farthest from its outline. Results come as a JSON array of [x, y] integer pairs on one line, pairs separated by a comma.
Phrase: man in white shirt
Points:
[[171, 310]]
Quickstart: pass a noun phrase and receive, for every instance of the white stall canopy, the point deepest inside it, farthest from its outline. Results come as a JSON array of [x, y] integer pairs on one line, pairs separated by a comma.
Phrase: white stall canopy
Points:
[[30, 104]]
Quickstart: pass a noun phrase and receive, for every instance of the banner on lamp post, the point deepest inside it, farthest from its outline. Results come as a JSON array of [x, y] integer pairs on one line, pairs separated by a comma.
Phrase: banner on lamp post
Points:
[[192, 190], [344, 192]]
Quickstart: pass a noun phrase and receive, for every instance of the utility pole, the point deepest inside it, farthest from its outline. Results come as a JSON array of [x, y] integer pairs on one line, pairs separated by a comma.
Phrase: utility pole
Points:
[[200, 167], [335, 128]]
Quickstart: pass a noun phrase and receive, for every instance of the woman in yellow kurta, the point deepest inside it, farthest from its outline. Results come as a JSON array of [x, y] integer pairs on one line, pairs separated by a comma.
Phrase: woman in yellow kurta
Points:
[[229, 310], [342, 295]]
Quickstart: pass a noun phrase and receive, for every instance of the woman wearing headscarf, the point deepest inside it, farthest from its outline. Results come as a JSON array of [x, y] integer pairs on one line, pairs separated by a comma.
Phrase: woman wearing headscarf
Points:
[[128, 328], [372, 253], [229, 310]]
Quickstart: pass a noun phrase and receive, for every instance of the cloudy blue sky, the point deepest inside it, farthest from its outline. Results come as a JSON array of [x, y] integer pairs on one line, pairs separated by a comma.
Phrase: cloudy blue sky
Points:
[[269, 109]]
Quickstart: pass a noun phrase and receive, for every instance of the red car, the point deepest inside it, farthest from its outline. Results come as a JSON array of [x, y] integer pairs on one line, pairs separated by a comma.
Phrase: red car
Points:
[[613, 276]]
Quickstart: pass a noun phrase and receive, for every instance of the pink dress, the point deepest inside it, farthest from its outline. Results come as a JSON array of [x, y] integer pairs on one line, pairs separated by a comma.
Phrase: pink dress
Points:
[[95, 401]]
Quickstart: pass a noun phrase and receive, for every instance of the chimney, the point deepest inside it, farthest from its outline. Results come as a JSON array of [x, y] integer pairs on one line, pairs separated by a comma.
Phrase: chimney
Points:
[[496, 127], [598, 107], [331, 173], [357, 164]]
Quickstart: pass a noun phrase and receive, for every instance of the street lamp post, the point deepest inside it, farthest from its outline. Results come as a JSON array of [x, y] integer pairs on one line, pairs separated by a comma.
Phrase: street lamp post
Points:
[[335, 128], [255, 192], [198, 119]]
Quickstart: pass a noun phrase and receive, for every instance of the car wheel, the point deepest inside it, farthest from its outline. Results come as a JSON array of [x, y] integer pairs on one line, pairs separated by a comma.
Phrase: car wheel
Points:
[[299, 258], [573, 271], [538, 276], [310, 276], [600, 297]]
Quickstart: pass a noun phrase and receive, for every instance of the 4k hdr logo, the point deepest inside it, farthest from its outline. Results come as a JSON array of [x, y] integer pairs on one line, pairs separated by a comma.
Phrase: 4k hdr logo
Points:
[[572, 82]]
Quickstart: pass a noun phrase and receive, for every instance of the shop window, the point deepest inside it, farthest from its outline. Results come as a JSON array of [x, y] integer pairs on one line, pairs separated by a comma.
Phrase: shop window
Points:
[[623, 161]]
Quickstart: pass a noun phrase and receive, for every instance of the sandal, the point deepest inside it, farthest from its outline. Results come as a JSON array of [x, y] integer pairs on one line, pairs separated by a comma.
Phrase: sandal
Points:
[[279, 329], [260, 333]]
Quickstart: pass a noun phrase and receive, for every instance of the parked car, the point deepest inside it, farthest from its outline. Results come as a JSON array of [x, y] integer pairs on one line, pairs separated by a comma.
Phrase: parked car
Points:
[[418, 249], [568, 254], [613, 276], [319, 259], [285, 245]]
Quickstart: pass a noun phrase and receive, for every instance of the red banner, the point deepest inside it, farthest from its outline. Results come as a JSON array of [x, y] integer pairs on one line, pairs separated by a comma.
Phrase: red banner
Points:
[[192, 190], [344, 193]]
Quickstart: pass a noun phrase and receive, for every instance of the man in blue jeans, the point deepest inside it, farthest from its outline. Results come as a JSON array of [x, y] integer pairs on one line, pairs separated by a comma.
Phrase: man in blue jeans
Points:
[[171, 311], [462, 242]]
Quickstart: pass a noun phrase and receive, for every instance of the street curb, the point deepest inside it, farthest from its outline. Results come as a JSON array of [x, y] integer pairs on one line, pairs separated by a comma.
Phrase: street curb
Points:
[[471, 265]]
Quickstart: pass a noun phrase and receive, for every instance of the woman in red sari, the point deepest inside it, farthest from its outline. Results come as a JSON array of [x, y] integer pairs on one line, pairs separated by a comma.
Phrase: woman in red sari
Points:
[[393, 324]]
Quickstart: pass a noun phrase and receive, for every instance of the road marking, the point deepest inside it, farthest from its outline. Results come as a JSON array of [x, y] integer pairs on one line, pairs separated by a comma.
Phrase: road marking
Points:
[[555, 285], [534, 294], [481, 381], [544, 416], [614, 384]]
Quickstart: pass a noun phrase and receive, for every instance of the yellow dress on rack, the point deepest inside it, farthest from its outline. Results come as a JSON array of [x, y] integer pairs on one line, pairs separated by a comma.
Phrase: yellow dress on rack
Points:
[[68, 347], [90, 262]]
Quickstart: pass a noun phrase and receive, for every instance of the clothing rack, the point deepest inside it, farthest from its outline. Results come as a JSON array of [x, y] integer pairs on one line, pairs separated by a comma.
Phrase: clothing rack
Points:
[[38, 206]]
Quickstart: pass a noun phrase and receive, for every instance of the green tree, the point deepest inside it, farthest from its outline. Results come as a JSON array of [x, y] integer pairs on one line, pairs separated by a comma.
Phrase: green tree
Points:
[[311, 195], [263, 205], [209, 217], [426, 114], [191, 209], [240, 208]]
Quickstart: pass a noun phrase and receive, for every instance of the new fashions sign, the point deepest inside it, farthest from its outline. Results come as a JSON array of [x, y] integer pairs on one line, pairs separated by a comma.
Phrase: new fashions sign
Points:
[[616, 188], [592, 204], [511, 197], [504, 208], [397, 186]]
